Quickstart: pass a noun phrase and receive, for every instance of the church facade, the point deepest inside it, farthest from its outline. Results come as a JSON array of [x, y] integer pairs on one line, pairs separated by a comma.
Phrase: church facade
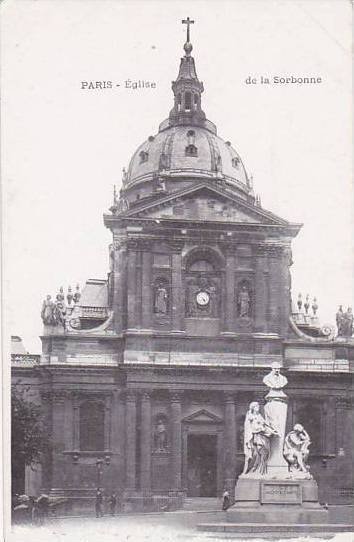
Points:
[[145, 377]]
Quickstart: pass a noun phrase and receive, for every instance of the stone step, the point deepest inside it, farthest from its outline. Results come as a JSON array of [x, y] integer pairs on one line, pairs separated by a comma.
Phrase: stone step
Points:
[[264, 528]]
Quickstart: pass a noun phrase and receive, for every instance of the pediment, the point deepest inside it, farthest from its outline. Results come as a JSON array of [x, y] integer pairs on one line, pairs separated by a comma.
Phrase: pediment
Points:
[[202, 416], [204, 203]]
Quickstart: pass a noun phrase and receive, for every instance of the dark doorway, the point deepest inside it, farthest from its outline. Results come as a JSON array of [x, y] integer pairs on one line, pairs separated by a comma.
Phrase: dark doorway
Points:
[[201, 461]]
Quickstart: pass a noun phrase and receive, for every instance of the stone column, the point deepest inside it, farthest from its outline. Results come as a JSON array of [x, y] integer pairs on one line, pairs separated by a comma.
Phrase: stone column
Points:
[[107, 422], [147, 288], [75, 397], [176, 441], [274, 254], [119, 286], [260, 290], [285, 290], [58, 437], [230, 291], [132, 286], [46, 400], [130, 441], [230, 443], [145, 443], [178, 297]]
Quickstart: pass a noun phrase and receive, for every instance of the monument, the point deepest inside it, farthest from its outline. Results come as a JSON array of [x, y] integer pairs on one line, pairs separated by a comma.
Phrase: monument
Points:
[[276, 485]]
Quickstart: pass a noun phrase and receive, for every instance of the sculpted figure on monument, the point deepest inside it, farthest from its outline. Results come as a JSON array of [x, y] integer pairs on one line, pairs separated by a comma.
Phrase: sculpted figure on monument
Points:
[[244, 302], [344, 321], [340, 320], [257, 436], [59, 311], [47, 313], [274, 379], [296, 450]]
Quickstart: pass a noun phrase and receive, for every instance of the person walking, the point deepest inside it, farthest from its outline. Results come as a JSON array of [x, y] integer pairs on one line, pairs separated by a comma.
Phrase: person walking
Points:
[[99, 503], [225, 500], [113, 503]]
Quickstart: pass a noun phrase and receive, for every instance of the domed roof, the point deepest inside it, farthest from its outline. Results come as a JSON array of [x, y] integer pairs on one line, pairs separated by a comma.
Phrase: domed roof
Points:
[[189, 149], [186, 145]]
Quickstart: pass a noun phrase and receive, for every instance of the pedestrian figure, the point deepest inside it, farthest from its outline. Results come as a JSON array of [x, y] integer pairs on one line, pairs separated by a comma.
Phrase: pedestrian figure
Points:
[[99, 503], [225, 500], [42, 504], [112, 503]]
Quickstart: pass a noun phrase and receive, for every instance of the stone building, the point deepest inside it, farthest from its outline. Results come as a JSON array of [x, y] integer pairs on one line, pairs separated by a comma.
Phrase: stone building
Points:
[[145, 377]]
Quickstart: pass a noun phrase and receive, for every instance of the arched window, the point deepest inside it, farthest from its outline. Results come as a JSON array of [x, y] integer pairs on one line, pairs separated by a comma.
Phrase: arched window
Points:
[[196, 99], [201, 265], [235, 162], [92, 425], [144, 156], [203, 285], [187, 101], [179, 102]]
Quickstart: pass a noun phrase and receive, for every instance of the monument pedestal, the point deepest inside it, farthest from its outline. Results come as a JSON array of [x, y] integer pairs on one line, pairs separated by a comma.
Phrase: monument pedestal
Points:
[[266, 500]]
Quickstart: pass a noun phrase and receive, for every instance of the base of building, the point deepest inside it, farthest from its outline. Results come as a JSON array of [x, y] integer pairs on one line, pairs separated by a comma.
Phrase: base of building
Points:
[[285, 530], [82, 501]]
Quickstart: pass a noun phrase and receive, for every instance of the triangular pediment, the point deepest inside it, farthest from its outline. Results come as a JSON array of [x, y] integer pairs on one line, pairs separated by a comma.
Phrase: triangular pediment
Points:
[[204, 203], [202, 416]]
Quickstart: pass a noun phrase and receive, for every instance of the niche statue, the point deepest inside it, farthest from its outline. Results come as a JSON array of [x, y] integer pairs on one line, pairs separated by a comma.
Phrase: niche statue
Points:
[[244, 302], [160, 300]]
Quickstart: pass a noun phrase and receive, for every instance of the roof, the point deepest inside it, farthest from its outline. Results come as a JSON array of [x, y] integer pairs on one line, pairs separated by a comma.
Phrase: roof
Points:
[[94, 293]]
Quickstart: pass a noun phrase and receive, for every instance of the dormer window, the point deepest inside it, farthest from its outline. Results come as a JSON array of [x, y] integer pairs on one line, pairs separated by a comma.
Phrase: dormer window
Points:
[[191, 149], [235, 162], [187, 101], [144, 156]]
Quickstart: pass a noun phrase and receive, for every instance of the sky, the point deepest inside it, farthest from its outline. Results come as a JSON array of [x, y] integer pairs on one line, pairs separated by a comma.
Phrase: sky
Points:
[[64, 147]]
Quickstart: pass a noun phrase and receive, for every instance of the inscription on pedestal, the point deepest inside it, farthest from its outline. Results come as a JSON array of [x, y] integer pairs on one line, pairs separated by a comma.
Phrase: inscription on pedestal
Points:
[[281, 492]]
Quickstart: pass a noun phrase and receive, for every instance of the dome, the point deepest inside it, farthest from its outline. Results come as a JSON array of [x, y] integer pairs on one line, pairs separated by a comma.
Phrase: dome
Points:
[[188, 149]]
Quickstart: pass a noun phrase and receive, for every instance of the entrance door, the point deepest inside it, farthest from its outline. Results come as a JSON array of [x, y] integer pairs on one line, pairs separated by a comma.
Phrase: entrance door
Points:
[[201, 465]]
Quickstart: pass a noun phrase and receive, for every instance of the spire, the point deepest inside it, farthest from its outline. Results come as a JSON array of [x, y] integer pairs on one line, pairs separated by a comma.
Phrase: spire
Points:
[[187, 89]]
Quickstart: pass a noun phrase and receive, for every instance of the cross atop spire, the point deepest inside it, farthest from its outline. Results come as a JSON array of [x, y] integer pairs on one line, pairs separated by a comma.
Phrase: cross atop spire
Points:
[[188, 22]]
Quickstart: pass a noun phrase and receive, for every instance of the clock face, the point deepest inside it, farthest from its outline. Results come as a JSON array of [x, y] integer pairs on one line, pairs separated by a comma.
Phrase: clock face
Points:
[[203, 298]]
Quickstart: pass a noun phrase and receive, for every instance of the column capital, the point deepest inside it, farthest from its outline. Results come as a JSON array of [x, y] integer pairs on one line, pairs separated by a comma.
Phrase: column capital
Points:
[[229, 397], [131, 395], [175, 245], [176, 396], [145, 395], [59, 396], [119, 243]]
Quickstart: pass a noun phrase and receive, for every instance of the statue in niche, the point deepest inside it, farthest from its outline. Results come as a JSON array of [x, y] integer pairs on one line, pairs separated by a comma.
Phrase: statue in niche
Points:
[[296, 451], [47, 313], [257, 436], [160, 436], [160, 299], [244, 302]]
